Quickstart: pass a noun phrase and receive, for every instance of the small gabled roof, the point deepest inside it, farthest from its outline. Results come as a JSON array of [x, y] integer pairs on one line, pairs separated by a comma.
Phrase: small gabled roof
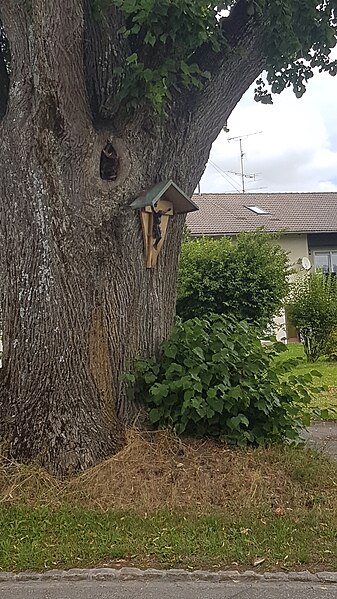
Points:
[[167, 190], [232, 213]]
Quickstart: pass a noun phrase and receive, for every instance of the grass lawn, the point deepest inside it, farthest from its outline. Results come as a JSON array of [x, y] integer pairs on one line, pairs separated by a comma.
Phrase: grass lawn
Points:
[[165, 503], [328, 370], [43, 539]]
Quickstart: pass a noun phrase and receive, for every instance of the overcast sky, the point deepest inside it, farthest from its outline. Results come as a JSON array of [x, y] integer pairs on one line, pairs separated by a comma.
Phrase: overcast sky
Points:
[[296, 151]]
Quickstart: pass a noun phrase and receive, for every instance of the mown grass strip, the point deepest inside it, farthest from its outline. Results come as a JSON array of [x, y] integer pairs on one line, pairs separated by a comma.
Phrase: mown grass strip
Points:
[[39, 539], [167, 502]]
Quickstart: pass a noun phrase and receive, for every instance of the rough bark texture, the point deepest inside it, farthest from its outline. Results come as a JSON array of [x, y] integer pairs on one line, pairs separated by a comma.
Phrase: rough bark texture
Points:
[[79, 303]]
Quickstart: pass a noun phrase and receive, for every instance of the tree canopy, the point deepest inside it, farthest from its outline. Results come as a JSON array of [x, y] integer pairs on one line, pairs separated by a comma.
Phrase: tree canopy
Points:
[[170, 43], [156, 49]]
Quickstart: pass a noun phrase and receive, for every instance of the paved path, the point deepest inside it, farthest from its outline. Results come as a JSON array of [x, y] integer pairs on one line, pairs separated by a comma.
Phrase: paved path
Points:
[[323, 436], [166, 590]]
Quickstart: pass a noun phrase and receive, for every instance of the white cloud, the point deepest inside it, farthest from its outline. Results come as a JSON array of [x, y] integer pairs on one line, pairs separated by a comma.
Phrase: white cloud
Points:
[[297, 149]]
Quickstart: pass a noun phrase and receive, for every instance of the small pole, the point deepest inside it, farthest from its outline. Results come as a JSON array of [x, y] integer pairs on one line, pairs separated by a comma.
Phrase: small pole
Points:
[[242, 167], [240, 138]]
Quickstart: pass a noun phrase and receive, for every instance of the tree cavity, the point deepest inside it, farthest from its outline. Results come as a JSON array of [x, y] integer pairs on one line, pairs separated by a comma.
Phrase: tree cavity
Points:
[[109, 165]]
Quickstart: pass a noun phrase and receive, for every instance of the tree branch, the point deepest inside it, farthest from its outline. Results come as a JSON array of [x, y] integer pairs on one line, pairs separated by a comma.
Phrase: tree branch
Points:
[[58, 29], [46, 44], [105, 53], [236, 69], [14, 49], [202, 115], [232, 28]]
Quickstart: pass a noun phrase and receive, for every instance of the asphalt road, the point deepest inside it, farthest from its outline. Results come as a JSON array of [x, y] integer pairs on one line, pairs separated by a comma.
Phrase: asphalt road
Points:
[[322, 436], [166, 590]]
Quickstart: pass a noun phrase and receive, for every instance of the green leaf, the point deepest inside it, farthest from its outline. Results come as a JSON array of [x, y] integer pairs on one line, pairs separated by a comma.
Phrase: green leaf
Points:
[[185, 68], [149, 377], [135, 29], [155, 415], [150, 39], [170, 350], [236, 421], [216, 404], [159, 390], [199, 352], [316, 373], [132, 59], [188, 395]]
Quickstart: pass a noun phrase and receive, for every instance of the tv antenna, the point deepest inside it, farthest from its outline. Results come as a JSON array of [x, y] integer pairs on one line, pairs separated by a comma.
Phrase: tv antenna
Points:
[[240, 139]]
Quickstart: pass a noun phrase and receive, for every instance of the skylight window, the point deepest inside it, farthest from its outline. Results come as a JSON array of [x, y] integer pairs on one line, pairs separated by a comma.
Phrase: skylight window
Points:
[[257, 209]]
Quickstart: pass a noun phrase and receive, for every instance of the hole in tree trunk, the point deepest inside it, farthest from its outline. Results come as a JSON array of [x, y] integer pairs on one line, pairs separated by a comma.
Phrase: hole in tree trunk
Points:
[[109, 163]]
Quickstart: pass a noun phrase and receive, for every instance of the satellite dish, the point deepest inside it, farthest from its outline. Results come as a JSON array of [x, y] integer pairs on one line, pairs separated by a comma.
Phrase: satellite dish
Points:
[[306, 263]]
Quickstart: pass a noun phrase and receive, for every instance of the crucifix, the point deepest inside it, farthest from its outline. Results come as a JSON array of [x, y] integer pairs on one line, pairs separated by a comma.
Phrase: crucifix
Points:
[[157, 206]]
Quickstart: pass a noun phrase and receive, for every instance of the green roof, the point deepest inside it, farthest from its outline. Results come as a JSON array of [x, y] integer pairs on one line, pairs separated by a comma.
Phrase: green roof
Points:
[[169, 191]]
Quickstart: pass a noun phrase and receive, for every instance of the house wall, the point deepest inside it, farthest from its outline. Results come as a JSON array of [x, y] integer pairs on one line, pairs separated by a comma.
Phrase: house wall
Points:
[[297, 247]]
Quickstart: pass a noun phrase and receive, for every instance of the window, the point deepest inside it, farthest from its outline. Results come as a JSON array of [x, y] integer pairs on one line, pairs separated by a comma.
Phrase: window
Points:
[[257, 209], [334, 262], [326, 261]]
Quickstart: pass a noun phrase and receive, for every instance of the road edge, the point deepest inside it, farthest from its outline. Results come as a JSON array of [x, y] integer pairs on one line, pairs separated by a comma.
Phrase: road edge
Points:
[[135, 574]]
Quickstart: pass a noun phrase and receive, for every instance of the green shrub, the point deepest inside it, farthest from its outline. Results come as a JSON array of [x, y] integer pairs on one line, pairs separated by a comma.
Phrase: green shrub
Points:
[[214, 378], [246, 277], [313, 311], [331, 347]]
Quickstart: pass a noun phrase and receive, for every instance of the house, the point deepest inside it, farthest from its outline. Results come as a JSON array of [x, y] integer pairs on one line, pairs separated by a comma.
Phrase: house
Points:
[[307, 223]]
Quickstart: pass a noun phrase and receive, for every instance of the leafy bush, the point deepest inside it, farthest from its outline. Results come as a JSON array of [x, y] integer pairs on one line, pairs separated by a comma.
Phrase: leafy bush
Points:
[[331, 346], [246, 277], [313, 311], [214, 378]]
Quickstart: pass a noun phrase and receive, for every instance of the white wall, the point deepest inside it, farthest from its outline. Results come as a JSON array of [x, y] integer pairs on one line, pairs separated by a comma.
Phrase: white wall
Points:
[[297, 247]]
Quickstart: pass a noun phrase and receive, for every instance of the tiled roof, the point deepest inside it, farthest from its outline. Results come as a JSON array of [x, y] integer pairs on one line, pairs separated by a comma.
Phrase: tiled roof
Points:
[[227, 213]]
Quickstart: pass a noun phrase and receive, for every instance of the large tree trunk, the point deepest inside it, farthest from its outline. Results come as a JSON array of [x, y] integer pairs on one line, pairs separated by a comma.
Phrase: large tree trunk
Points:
[[80, 305]]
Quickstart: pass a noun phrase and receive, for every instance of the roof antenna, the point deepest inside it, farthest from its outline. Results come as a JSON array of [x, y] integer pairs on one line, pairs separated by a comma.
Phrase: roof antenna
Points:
[[240, 138]]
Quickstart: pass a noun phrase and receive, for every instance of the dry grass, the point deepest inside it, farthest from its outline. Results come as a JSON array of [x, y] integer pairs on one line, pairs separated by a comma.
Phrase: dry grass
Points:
[[157, 471], [164, 502]]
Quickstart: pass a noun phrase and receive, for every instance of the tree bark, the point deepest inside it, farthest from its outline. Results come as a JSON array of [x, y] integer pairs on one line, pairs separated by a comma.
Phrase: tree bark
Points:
[[4, 85], [80, 305]]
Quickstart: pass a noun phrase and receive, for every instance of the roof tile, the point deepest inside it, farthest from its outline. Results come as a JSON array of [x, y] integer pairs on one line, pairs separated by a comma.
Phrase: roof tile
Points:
[[227, 213]]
